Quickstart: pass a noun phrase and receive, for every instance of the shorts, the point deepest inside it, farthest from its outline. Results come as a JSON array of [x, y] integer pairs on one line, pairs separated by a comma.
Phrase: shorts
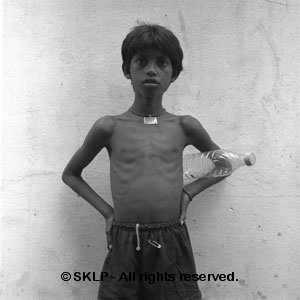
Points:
[[145, 263]]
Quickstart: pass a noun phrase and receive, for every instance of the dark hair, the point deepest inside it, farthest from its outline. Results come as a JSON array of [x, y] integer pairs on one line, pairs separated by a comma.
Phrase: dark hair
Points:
[[147, 36]]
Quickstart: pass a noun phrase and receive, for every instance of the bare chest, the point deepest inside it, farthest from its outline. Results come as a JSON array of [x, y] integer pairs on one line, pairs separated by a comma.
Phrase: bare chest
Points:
[[132, 141]]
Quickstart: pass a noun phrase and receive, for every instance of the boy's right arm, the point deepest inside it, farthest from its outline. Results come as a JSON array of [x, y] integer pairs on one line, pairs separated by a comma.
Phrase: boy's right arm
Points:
[[96, 139]]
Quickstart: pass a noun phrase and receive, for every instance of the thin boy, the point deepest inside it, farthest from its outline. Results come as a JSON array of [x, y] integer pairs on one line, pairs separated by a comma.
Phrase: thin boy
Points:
[[145, 228]]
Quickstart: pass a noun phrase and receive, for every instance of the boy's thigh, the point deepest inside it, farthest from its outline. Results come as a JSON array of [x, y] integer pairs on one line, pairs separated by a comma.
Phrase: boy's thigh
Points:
[[120, 266], [163, 268], [116, 286]]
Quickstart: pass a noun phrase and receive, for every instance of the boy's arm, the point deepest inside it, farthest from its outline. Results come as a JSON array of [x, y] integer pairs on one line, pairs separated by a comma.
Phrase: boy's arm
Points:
[[95, 140], [199, 138]]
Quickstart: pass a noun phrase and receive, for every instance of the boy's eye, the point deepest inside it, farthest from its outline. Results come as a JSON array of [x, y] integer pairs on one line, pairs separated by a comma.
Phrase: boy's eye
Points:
[[141, 60], [163, 62]]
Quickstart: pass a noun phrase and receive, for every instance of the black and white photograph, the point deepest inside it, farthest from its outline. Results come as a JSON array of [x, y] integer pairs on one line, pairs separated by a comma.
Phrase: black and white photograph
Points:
[[150, 150]]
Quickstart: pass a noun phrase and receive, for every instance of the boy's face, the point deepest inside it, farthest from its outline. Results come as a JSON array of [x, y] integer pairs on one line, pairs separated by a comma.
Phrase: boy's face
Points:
[[150, 72]]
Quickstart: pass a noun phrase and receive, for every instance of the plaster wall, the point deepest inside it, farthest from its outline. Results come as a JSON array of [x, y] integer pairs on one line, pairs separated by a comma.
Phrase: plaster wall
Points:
[[62, 71]]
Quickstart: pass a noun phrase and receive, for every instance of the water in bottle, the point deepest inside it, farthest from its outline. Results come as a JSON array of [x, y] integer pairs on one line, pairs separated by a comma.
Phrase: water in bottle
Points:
[[216, 163]]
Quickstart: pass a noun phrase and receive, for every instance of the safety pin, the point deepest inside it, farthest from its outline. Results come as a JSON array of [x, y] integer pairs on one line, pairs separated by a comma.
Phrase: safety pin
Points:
[[154, 243]]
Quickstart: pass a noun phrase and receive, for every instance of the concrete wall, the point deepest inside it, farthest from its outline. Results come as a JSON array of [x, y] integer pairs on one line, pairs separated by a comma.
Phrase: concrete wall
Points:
[[62, 71]]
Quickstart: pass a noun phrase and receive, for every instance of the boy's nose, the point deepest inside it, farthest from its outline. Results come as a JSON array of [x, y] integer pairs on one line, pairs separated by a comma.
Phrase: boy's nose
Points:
[[151, 69]]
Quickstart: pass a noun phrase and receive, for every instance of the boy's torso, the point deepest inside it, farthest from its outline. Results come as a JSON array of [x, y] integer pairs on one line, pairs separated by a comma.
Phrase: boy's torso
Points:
[[146, 167]]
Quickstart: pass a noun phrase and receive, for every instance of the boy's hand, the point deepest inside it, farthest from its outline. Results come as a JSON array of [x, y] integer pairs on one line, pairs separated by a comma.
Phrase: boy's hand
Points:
[[108, 225], [185, 201]]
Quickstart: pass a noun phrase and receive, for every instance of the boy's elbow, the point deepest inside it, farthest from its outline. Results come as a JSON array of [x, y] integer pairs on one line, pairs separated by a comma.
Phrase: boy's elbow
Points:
[[68, 174], [64, 177]]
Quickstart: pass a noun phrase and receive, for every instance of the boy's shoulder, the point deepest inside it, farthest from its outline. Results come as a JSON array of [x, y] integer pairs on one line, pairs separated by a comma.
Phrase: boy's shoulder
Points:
[[186, 121], [107, 123], [189, 123], [104, 124]]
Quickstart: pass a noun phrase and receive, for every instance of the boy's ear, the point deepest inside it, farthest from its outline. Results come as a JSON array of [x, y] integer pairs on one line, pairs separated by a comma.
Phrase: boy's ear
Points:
[[127, 75], [126, 72], [174, 78]]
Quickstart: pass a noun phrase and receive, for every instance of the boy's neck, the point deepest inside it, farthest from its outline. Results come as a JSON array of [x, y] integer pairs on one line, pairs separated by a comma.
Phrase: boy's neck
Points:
[[147, 106]]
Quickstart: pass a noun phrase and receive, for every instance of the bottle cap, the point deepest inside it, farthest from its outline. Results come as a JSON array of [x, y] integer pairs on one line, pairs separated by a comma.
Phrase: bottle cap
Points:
[[250, 159]]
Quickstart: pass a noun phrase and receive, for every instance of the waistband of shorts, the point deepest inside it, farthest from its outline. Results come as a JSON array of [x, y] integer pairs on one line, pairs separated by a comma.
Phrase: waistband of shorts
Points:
[[145, 226]]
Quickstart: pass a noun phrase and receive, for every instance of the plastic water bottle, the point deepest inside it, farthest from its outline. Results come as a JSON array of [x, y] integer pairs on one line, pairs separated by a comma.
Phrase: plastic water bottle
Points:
[[216, 163]]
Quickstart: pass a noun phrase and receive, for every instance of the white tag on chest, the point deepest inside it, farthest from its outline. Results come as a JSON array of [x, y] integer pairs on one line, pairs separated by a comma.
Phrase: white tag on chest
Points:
[[150, 120]]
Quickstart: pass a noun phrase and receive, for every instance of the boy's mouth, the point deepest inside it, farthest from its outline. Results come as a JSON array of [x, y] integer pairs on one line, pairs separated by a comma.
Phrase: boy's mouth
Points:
[[150, 81]]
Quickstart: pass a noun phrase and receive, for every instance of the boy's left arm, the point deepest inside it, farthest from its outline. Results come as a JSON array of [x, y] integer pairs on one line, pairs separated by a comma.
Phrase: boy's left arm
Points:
[[199, 138]]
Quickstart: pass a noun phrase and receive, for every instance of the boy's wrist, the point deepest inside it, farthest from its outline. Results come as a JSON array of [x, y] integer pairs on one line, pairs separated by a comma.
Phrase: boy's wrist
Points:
[[187, 193], [199, 185], [109, 213]]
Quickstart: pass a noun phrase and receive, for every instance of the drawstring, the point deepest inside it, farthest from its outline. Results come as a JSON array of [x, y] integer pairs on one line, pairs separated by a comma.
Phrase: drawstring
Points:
[[150, 227], [138, 247], [138, 243]]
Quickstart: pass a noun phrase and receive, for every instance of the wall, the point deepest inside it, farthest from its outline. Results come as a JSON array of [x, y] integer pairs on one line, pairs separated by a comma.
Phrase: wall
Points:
[[62, 71]]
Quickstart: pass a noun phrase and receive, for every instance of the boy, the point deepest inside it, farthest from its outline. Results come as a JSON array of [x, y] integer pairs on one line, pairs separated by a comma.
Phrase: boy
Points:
[[146, 233]]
